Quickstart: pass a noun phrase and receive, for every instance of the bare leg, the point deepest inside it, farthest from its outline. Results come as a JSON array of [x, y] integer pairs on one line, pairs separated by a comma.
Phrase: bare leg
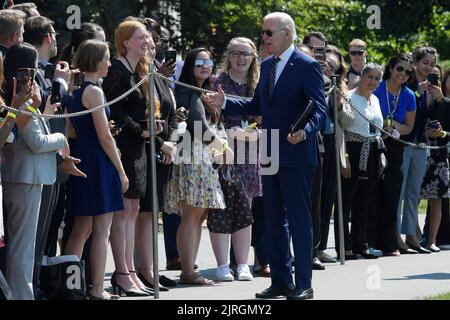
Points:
[[117, 239], [241, 244], [188, 237], [435, 220], [99, 252], [82, 228], [220, 243], [144, 244]]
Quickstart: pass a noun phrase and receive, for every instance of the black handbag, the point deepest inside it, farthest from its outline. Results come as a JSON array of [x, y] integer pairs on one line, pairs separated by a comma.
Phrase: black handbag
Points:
[[63, 278]]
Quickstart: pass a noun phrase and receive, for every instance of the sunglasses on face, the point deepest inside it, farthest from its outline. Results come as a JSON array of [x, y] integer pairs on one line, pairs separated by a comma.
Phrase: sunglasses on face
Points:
[[357, 53], [237, 54], [204, 62], [402, 69], [270, 33]]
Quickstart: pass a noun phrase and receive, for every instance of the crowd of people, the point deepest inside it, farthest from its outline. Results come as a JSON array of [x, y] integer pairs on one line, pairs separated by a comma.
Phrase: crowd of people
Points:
[[90, 176]]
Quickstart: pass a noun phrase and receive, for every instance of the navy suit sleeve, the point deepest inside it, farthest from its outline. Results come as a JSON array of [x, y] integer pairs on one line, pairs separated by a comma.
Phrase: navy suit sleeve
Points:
[[314, 89], [239, 107]]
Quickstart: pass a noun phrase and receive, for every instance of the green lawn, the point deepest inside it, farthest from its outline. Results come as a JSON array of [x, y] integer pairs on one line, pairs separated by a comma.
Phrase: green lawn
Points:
[[442, 296]]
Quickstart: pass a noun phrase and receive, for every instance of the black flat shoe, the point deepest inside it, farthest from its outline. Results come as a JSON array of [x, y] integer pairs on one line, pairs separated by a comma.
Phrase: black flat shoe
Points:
[[150, 285], [274, 292], [166, 282], [367, 255], [418, 249], [317, 265], [301, 294], [408, 251]]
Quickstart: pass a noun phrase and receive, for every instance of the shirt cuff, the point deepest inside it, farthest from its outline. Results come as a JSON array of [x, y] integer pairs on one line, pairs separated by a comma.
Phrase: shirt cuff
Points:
[[224, 104]]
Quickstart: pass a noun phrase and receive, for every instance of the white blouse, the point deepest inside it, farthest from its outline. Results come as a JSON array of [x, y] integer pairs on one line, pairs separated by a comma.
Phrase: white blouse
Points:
[[371, 109]]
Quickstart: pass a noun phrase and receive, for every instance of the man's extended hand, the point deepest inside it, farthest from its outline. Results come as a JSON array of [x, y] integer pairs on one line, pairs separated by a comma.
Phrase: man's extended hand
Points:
[[296, 137], [68, 166], [215, 100]]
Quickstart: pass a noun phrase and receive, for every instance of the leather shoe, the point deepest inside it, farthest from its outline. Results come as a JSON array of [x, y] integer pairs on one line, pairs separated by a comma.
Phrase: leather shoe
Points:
[[265, 271], [274, 292], [301, 294], [418, 249], [176, 265], [317, 265]]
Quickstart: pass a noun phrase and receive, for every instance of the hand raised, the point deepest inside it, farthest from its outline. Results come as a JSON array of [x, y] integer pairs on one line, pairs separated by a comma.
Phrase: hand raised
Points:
[[215, 100]]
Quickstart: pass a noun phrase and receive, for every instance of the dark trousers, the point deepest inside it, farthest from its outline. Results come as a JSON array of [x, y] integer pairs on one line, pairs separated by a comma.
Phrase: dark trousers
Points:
[[287, 207], [356, 197], [57, 218], [258, 235], [383, 209], [329, 189], [316, 204], [171, 222], [48, 200]]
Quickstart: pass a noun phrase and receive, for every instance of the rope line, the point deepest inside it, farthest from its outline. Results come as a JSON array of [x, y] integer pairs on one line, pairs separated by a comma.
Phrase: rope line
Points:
[[191, 87]]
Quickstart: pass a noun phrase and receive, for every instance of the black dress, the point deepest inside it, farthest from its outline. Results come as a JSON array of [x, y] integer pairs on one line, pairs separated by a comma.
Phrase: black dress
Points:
[[132, 110], [167, 101]]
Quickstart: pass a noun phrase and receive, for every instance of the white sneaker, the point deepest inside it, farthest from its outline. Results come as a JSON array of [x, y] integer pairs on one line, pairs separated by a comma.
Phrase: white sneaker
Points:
[[244, 273], [224, 273]]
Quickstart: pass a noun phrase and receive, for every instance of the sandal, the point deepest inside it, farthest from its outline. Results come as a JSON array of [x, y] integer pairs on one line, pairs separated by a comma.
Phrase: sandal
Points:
[[195, 279]]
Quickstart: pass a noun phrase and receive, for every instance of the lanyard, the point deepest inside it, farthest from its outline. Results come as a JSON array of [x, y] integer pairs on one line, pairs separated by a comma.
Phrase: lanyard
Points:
[[395, 100]]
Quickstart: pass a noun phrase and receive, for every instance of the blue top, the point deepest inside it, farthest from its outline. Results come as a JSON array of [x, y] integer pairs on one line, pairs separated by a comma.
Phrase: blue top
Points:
[[406, 102]]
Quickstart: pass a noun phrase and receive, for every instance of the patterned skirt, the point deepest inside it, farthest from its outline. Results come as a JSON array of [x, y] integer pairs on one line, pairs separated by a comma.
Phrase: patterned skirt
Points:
[[436, 180]]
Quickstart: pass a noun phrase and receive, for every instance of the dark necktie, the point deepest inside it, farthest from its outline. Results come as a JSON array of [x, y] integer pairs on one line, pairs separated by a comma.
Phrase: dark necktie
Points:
[[272, 75]]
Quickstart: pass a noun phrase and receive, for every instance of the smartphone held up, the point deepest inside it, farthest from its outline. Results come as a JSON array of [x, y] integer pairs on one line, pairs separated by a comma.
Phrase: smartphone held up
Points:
[[24, 80]]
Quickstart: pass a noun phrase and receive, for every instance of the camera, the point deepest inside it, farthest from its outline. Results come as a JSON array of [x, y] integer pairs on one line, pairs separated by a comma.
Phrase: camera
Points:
[[171, 55], [24, 78], [319, 54], [78, 79], [433, 79], [55, 96]]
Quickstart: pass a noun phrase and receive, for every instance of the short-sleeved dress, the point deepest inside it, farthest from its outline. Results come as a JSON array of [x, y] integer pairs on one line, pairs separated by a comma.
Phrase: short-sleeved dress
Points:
[[101, 191]]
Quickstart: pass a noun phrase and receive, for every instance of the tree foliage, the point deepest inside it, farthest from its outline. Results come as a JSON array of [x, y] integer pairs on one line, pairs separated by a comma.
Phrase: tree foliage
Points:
[[212, 23]]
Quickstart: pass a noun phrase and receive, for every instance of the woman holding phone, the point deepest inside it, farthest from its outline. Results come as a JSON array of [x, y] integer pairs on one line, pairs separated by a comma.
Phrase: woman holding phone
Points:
[[436, 181]]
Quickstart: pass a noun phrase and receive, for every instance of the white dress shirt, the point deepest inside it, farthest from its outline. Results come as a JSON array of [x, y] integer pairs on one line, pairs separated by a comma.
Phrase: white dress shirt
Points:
[[284, 58]]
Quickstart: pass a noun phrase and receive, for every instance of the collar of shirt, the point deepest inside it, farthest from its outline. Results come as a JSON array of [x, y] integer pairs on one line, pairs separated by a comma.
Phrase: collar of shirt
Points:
[[284, 58]]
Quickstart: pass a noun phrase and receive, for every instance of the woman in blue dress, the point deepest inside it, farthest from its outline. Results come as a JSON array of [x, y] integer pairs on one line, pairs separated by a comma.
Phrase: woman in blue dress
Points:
[[94, 199]]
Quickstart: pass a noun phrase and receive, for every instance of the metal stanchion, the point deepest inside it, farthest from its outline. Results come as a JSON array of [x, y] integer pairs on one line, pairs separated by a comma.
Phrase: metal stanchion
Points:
[[153, 177], [338, 175]]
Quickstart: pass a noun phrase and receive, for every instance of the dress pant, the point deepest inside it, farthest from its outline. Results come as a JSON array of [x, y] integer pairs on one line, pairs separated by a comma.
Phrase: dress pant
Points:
[[171, 222], [329, 189], [57, 218], [48, 200], [316, 203], [287, 204], [356, 197], [22, 202], [414, 168], [258, 233], [383, 210]]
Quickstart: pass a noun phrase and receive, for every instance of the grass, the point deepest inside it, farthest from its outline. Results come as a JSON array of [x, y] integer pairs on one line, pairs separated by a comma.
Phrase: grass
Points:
[[441, 296]]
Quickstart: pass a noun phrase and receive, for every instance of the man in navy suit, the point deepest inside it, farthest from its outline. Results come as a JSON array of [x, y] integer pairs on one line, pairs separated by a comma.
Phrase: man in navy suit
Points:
[[288, 80]]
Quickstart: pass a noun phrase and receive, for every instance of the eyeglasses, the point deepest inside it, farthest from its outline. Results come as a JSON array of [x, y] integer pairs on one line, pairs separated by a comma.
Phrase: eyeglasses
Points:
[[237, 54], [402, 69], [204, 62], [270, 33], [357, 53], [372, 77]]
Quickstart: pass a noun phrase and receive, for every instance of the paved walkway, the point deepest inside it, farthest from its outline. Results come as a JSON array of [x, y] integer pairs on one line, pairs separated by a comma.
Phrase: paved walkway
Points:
[[405, 277]]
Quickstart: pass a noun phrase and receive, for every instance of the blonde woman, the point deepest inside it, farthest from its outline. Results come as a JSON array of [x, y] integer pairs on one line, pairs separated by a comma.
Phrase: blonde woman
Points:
[[238, 76]]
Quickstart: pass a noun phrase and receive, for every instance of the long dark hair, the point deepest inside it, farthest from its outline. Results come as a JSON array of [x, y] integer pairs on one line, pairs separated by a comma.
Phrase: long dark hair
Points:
[[23, 55], [187, 76], [86, 32], [393, 62]]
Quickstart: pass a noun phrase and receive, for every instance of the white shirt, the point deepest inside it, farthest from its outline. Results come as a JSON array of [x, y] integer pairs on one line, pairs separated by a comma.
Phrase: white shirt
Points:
[[284, 58], [371, 110]]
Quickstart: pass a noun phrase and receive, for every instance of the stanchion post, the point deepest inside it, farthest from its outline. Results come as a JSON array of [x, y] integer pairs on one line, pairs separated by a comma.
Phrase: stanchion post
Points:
[[338, 174], [154, 198]]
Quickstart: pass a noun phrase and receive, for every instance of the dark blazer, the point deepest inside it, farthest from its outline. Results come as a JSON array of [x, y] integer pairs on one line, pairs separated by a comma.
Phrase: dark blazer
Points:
[[288, 100]]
